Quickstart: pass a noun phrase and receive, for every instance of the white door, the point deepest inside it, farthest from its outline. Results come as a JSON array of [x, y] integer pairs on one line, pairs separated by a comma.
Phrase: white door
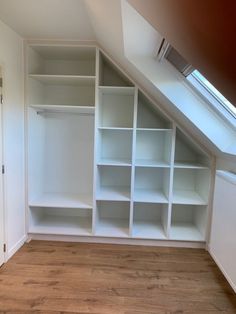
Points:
[[1, 184], [222, 244]]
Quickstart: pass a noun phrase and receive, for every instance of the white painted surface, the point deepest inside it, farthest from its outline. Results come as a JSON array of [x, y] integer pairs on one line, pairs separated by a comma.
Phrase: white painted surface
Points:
[[47, 19], [11, 59], [2, 216], [222, 245]]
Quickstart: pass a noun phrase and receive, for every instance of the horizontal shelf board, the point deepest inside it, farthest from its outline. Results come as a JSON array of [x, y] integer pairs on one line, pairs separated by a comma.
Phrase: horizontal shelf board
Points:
[[148, 230], [62, 201], [117, 90], [185, 231], [112, 227], [113, 194], [114, 128], [65, 108], [154, 129], [187, 197], [149, 196], [189, 165], [151, 163], [64, 79], [63, 225], [114, 162]]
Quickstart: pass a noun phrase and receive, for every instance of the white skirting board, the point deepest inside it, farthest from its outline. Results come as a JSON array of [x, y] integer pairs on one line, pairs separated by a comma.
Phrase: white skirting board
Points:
[[15, 248], [104, 240], [223, 270]]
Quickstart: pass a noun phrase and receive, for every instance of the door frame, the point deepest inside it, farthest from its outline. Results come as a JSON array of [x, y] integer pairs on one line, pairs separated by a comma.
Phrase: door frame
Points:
[[3, 219]]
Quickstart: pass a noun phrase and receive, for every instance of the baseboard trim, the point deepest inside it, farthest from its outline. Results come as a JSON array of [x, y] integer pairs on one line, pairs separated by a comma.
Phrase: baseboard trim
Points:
[[227, 277], [166, 243], [16, 247]]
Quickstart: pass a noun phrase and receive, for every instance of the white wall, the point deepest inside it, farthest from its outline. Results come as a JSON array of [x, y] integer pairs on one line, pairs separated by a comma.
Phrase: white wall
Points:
[[11, 60]]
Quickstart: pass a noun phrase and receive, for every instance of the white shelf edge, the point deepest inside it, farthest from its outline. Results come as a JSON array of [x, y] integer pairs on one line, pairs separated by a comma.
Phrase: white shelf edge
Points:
[[64, 108], [154, 130], [114, 128], [118, 90], [63, 76]]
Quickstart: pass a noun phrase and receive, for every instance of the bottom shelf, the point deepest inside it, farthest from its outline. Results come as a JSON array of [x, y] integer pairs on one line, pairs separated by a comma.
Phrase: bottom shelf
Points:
[[188, 222], [112, 227], [60, 221], [185, 231], [112, 219], [148, 230]]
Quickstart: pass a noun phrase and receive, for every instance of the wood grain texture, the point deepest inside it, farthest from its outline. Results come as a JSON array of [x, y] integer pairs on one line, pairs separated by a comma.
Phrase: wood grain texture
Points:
[[57, 277]]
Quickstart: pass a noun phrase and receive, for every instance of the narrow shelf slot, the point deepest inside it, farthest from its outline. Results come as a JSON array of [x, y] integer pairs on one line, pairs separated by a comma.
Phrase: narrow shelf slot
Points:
[[115, 147], [116, 109], [113, 183], [113, 219], [188, 223], [151, 185], [191, 186], [153, 148], [60, 221], [150, 220]]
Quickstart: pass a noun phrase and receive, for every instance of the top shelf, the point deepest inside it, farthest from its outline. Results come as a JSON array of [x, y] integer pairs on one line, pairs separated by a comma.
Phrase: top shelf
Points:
[[64, 79]]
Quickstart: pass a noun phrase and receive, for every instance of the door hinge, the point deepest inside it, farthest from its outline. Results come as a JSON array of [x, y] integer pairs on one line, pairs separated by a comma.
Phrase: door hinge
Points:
[[3, 169], [4, 247]]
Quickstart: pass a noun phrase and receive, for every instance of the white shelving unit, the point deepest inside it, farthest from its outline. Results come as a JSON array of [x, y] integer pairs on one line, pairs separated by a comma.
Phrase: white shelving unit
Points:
[[104, 160]]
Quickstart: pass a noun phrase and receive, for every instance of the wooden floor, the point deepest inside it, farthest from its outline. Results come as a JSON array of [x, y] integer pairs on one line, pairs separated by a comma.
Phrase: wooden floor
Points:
[[54, 277]]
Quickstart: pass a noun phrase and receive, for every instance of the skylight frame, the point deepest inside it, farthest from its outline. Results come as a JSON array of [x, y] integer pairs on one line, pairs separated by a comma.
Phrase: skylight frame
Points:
[[214, 102]]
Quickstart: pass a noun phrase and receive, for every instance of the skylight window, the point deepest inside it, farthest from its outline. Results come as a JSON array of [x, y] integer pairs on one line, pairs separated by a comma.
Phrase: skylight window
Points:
[[212, 90]]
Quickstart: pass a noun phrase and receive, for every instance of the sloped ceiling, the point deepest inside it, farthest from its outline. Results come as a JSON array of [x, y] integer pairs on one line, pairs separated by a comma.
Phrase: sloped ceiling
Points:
[[47, 19], [202, 31]]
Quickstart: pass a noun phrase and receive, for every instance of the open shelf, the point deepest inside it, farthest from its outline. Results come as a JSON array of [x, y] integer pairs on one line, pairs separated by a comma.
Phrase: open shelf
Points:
[[115, 147], [62, 60], [110, 75], [61, 90], [59, 147], [113, 219], [188, 154], [68, 221], [151, 185], [116, 109], [188, 223], [113, 183], [62, 200], [149, 116], [191, 186], [153, 148], [64, 108], [150, 220]]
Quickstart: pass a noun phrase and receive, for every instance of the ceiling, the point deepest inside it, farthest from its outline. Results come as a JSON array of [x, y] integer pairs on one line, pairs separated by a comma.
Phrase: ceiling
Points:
[[48, 19], [202, 31]]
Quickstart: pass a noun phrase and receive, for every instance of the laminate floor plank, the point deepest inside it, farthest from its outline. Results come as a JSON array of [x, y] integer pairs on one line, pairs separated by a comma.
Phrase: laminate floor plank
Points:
[[58, 277]]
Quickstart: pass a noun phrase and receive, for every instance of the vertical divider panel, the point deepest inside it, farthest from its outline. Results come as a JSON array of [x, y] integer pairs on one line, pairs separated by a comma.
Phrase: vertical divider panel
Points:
[[133, 162], [172, 160], [96, 140]]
